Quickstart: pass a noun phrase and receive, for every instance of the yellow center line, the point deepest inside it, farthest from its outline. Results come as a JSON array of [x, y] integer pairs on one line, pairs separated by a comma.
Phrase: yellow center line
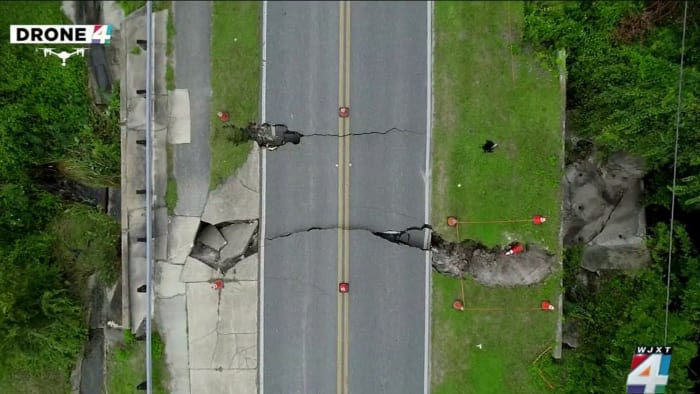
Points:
[[340, 352], [343, 196], [346, 205]]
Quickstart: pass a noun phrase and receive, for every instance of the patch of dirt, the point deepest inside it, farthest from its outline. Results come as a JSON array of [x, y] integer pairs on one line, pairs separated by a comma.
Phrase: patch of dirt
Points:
[[491, 266]]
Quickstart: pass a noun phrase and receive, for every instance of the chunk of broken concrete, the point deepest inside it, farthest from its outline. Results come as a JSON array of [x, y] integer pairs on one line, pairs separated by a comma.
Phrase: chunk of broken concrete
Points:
[[211, 237], [205, 254], [246, 269], [196, 271], [167, 283], [181, 235], [238, 235], [243, 186]]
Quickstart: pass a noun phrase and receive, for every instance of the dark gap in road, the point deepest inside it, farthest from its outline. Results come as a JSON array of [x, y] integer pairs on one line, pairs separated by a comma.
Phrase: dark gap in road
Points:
[[355, 133], [492, 266], [272, 136], [402, 237]]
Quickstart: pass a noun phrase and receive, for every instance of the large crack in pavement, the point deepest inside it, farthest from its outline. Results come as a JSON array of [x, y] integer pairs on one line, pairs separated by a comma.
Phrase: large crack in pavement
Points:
[[402, 237], [272, 136], [357, 133], [489, 266]]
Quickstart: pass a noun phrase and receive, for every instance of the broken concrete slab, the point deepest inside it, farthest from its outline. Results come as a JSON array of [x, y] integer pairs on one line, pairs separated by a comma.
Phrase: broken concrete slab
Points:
[[596, 258], [196, 271], [168, 280], [179, 126], [246, 269], [238, 235], [211, 237], [205, 254], [237, 199], [181, 235], [231, 381]]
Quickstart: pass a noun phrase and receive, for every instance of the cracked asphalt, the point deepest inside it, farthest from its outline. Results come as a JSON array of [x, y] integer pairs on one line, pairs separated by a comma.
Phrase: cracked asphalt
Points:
[[388, 85]]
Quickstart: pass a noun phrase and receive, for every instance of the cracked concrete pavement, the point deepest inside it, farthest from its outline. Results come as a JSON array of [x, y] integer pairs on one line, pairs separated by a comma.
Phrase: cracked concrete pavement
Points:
[[211, 334]]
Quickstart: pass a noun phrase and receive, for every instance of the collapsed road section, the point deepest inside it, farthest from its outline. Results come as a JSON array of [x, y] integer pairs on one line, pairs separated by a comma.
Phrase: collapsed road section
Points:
[[515, 264]]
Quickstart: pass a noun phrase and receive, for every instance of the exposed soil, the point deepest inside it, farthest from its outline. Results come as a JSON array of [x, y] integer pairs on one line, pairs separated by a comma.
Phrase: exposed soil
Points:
[[491, 266]]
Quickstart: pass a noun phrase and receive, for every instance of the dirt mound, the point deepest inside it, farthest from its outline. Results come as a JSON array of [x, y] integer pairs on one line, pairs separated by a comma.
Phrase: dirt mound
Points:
[[490, 266]]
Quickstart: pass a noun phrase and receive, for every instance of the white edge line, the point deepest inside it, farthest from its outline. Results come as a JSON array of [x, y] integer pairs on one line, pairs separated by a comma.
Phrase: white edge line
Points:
[[428, 186], [263, 179]]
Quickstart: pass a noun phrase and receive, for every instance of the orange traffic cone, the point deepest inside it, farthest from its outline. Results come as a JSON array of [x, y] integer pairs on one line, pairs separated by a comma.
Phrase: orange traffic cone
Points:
[[223, 116], [515, 249], [537, 219]]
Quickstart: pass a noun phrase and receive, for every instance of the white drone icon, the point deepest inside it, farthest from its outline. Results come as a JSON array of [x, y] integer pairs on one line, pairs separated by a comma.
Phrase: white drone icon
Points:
[[63, 55]]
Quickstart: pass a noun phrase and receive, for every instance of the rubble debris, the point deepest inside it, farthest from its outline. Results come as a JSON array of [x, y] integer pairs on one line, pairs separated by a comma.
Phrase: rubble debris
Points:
[[490, 266]]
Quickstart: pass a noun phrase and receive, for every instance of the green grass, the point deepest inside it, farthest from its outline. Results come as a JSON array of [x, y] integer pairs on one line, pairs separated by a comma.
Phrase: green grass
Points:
[[126, 366], [54, 381], [511, 339], [235, 81], [486, 86], [481, 92], [170, 28], [169, 76], [86, 242], [171, 190]]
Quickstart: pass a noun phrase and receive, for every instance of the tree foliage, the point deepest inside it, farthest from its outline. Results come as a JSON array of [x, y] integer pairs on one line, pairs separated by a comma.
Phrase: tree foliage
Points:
[[41, 326], [628, 310], [623, 89], [623, 61], [48, 246]]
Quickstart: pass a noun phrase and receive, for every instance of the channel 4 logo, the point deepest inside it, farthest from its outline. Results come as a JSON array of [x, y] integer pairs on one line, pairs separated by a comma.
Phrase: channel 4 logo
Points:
[[60, 34], [650, 366]]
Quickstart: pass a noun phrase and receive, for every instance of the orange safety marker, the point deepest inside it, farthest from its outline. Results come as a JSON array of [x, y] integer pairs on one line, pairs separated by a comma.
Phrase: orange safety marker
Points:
[[223, 116], [343, 112], [218, 284], [515, 249], [537, 219]]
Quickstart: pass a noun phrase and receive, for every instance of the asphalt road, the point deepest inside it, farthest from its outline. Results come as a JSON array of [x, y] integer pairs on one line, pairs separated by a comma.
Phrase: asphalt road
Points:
[[300, 311], [191, 161], [388, 81], [388, 89]]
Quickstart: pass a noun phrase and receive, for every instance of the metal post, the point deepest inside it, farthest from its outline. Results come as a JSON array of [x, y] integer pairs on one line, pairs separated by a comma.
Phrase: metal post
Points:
[[149, 192]]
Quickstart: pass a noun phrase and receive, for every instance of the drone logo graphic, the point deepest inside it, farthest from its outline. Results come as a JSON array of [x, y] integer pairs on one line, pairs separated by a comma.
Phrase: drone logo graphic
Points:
[[63, 55]]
